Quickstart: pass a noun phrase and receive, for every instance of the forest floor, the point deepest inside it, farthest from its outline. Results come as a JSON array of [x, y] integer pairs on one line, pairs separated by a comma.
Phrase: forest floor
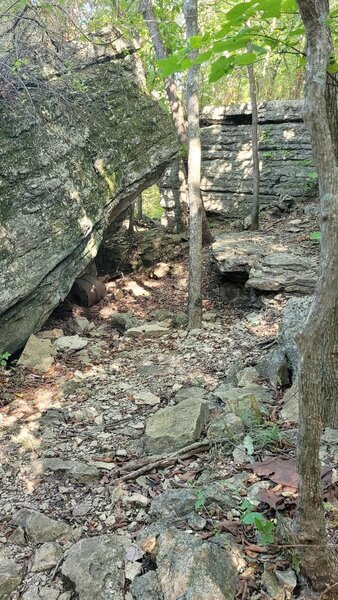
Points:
[[92, 407]]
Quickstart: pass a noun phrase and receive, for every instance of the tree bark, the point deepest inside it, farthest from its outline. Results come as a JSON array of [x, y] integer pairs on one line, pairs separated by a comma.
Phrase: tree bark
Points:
[[131, 219], [174, 99], [318, 342], [255, 155], [139, 207], [176, 107], [194, 176]]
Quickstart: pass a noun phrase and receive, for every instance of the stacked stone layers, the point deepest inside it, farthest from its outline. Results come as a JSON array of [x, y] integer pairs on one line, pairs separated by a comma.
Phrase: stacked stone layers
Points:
[[227, 185]]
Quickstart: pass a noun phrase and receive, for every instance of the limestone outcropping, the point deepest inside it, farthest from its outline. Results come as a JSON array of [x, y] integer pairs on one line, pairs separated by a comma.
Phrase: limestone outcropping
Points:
[[227, 186], [80, 139]]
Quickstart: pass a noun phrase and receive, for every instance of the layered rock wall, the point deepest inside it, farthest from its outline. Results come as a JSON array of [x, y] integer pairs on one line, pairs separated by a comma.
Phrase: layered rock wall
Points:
[[80, 139], [285, 159]]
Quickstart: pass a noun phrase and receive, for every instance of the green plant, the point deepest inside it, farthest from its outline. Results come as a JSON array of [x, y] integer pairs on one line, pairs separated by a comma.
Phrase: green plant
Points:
[[4, 358], [314, 235], [265, 528], [200, 502], [264, 436], [268, 154]]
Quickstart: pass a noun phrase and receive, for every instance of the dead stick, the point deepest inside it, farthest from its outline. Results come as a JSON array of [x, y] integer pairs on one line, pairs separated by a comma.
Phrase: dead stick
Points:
[[166, 460]]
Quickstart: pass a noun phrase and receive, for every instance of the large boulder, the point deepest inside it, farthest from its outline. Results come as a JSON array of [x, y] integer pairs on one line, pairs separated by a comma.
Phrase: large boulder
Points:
[[77, 147]]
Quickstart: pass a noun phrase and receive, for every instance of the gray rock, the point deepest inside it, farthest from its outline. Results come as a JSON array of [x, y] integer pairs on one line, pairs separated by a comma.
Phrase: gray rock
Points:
[[274, 588], [47, 556], [190, 393], [285, 157], [74, 469], [18, 537], [146, 587], [11, 574], [244, 401], [173, 505], [295, 314], [177, 426], [223, 427], [40, 528], [81, 325], [287, 578], [207, 570], [95, 566], [248, 376], [330, 436], [57, 202], [148, 330], [50, 334], [38, 354], [254, 255], [70, 343], [290, 410], [146, 397], [274, 367], [123, 321]]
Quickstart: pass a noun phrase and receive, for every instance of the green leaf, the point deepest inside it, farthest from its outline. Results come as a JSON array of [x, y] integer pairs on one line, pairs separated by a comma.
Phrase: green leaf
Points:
[[203, 57], [245, 59], [230, 45], [222, 66], [289, 7], [196, 42], [314, 235], [239, 10], [270, 8], [251, 518], [332, 68], [200, 500]]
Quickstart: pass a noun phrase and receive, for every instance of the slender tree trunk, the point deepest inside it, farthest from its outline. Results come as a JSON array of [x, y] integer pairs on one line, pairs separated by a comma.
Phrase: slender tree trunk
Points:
[[254, 141], [131, 219], [318, 342], [139, 207], [174, 99], [176, 107], [194, 176]]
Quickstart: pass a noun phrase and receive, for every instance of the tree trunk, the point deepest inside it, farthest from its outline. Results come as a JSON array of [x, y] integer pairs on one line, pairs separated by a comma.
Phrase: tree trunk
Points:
[[176, 108], [174, 99], [139, 207], [131, 219], [255, 155], [332, 110], [318, 342], [194, 176]]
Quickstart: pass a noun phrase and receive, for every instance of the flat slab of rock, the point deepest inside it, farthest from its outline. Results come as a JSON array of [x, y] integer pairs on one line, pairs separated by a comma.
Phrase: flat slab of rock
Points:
[[74, 469], [95, 566], [148, 330], [40, 528], [177, 426], [290, 410], [38, 354], [70, 343], [266, 262]]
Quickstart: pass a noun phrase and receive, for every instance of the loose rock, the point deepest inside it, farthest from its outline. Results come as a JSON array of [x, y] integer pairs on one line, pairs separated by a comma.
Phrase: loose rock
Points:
[[174, 427]]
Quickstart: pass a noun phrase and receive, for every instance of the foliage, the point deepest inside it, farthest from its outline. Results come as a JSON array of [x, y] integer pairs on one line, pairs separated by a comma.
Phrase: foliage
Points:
[[200, 500], [265, 528], [4, 358], [151, 203], [315, 235]]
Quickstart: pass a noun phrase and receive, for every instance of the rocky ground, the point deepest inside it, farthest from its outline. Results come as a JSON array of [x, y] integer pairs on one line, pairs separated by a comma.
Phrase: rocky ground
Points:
[[136, 456]]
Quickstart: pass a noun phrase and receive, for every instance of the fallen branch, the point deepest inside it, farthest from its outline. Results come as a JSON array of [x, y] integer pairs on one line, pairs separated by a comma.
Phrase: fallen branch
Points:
[[163, 460]]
